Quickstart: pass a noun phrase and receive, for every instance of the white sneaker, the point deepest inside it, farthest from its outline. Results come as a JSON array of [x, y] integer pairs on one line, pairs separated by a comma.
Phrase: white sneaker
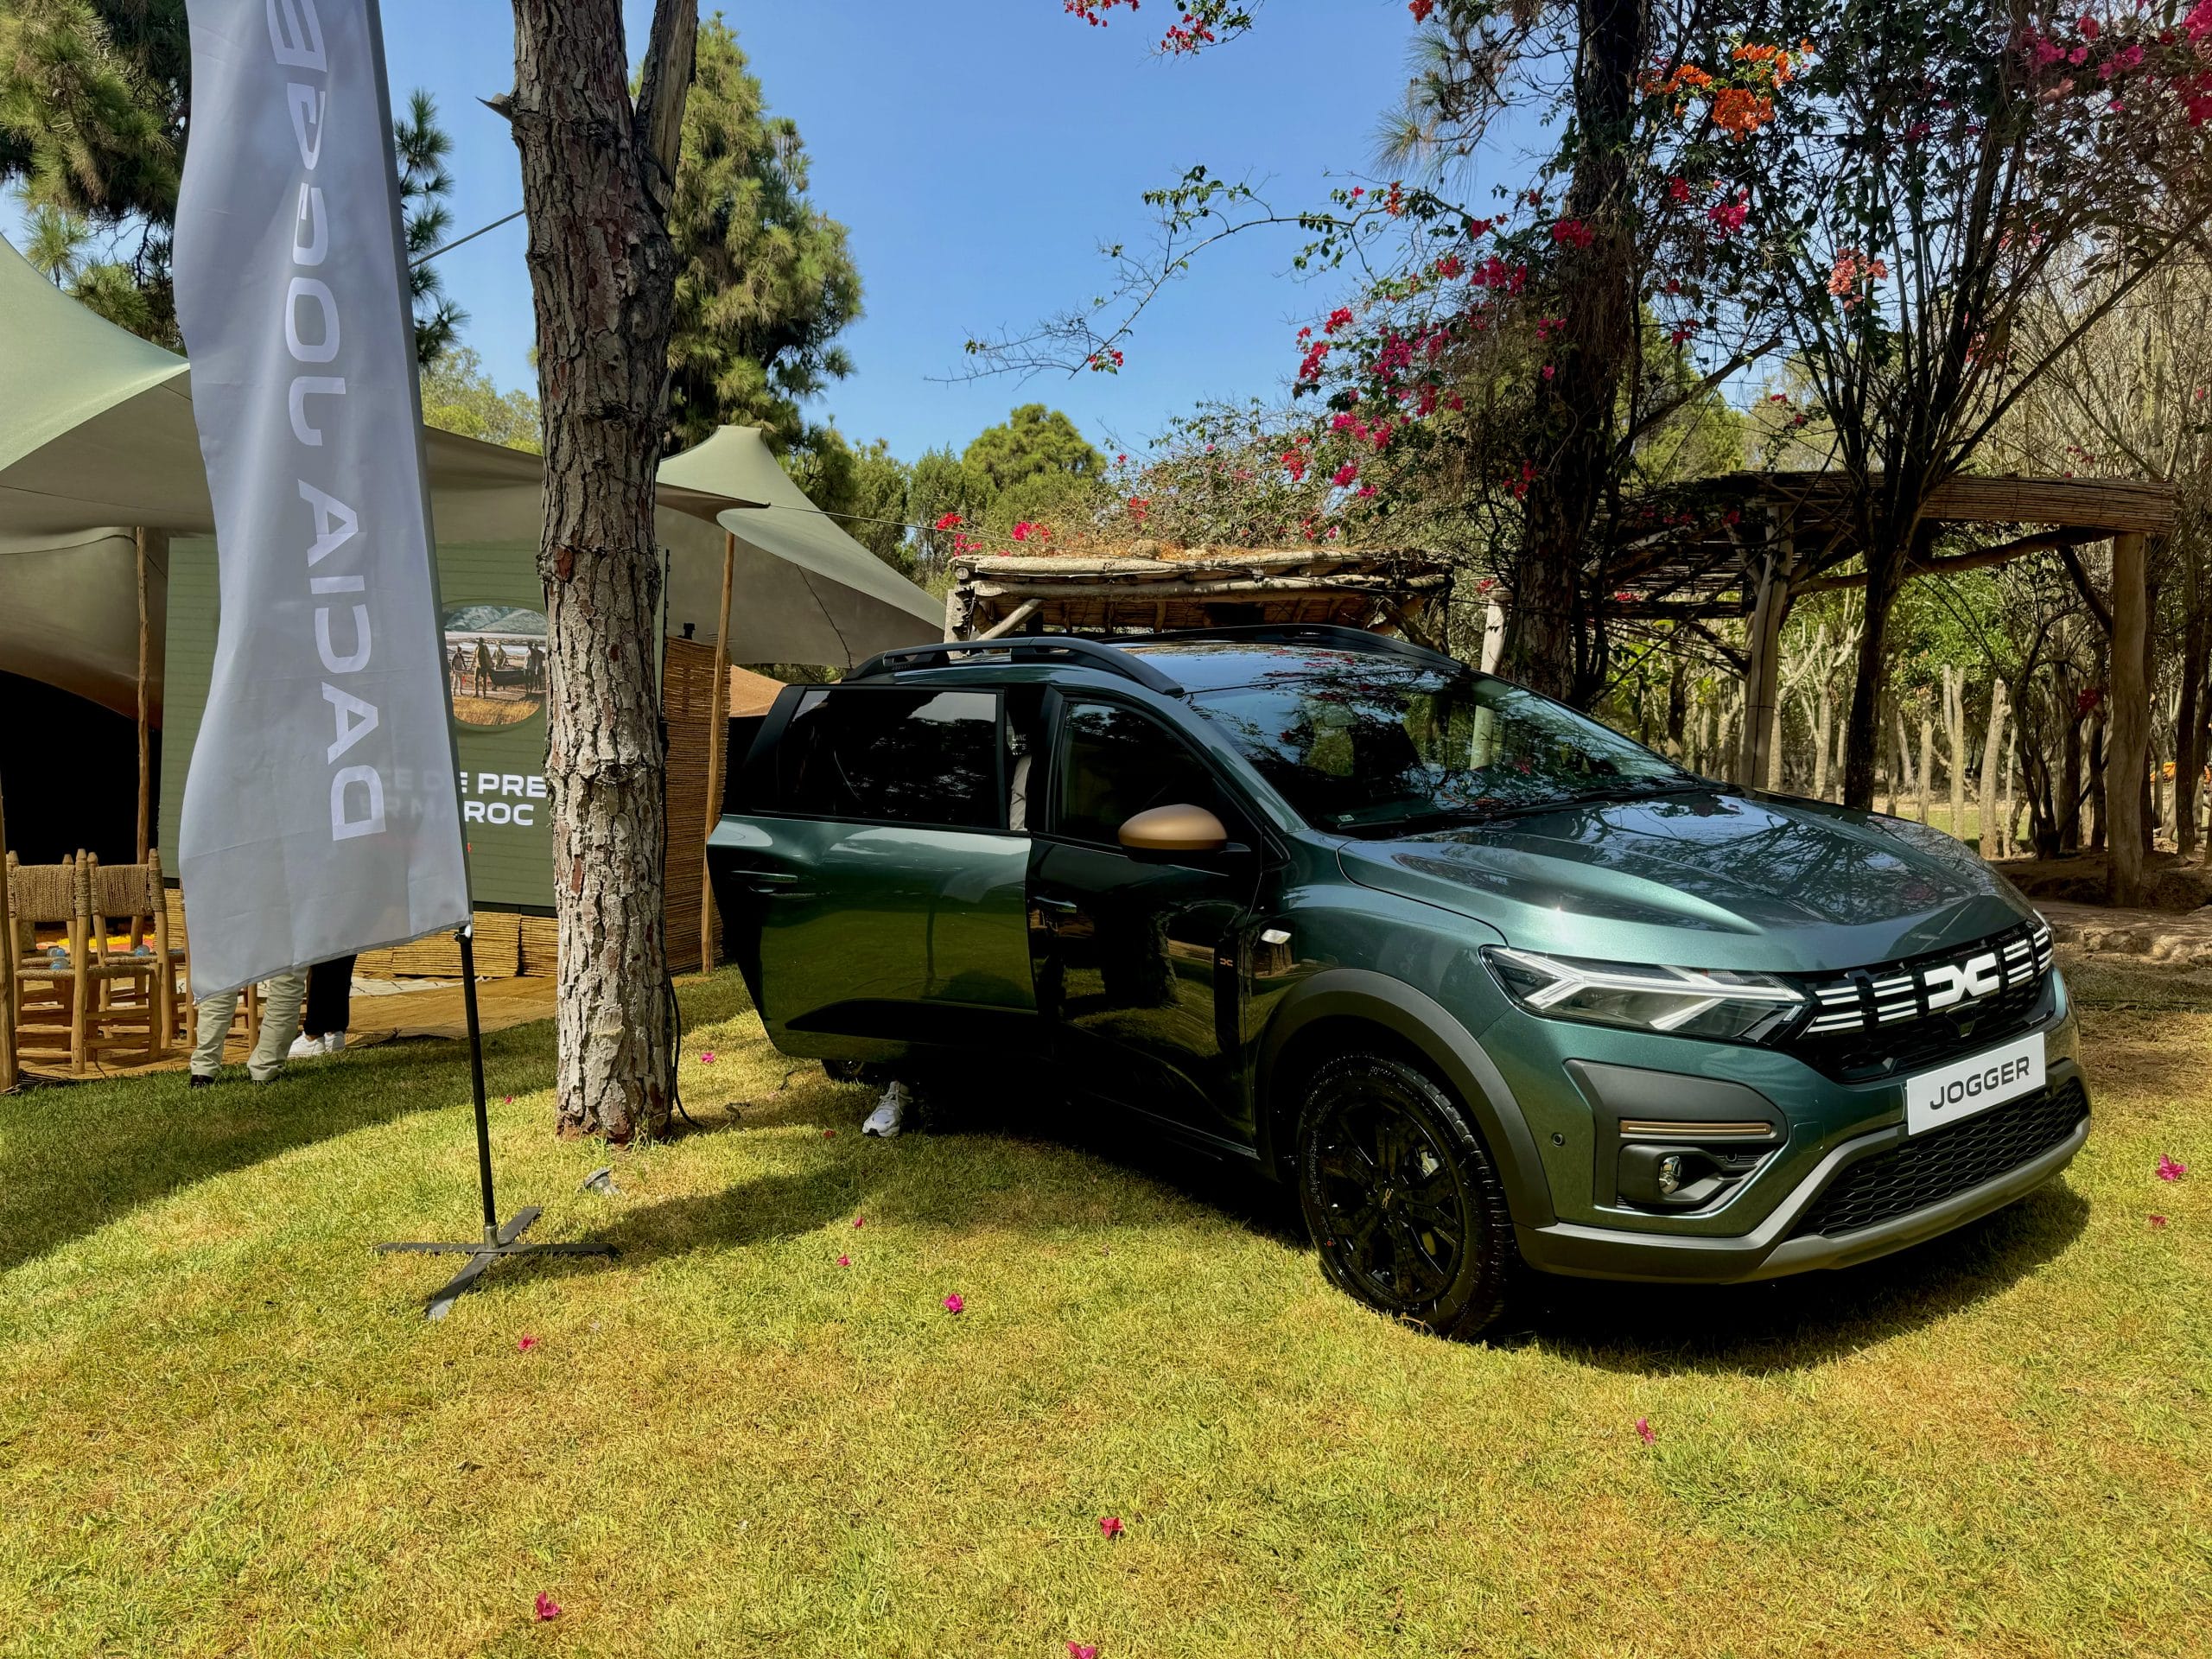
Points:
[[890, 1112], [304, 1047], [333, 1043]]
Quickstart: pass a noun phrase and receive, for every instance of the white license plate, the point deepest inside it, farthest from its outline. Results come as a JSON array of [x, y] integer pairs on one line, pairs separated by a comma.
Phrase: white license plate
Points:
[[1965, 1087]]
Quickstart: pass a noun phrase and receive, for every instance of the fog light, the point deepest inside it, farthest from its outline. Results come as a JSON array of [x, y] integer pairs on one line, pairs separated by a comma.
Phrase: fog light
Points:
[[1669, 1173]]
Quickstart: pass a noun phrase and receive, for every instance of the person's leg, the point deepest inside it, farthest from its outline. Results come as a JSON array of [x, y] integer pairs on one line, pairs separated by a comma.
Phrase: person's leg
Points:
[[213, 1015], [281, 994], [329, 1004]]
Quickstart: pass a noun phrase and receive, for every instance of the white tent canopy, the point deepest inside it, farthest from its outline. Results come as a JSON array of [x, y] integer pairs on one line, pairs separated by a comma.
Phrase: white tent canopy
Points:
[[806, 591], [97, 437]]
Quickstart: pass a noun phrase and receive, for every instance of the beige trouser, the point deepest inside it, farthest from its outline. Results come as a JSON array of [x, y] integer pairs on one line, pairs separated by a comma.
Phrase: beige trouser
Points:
[[281, 995]]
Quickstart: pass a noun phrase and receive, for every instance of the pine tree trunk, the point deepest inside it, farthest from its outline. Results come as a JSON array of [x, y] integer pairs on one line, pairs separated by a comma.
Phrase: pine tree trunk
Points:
[[603, 274]]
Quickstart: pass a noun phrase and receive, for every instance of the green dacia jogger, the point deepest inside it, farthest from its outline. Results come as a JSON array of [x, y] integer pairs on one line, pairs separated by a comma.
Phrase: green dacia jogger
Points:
[[1489, 983]]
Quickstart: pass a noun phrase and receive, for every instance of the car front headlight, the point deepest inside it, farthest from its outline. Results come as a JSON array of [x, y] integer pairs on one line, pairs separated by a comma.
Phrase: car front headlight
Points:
[[1715, 1002]]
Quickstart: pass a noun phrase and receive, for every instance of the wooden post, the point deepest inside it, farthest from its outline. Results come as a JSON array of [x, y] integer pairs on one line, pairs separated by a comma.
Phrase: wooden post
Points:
[[1762, 678], [8, 948], [1493, 636], [717, 746], [2131, 720], [146, 540]]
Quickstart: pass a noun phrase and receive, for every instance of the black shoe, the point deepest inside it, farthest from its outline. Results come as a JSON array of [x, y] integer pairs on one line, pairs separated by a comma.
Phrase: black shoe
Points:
[[200, 1082]]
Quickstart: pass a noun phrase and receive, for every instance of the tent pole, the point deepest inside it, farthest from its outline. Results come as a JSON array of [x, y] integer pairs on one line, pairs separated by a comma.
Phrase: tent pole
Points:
[[717, 746], [141, 536]]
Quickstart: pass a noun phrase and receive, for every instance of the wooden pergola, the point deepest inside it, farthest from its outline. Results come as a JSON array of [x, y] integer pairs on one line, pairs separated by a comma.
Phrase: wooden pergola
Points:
[[1744, 545], [1156, 590]]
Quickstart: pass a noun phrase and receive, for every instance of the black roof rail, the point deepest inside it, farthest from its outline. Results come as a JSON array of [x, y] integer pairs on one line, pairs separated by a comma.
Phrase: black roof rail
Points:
[[1089, 653], [1330, 634]]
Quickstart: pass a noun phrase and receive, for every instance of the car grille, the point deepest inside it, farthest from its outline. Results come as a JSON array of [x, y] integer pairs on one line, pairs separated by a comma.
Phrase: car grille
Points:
[[1899, 1016], [1934, 1167]]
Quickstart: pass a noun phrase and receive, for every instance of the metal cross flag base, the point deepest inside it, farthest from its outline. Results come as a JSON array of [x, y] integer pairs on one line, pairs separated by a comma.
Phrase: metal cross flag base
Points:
[[498, 1242]]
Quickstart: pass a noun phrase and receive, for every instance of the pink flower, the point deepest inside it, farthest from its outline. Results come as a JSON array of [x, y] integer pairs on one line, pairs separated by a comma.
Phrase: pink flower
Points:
[[949, 521], [1109, 1525], [509, 1101], [525, 1345], [953, 1303], [1082, 1650], [1345, 474], [1643, 1430], [2157, 1223], [831, 1134], [2170, 1169], [859, 1220], [547, 1607], [844, 1261], [707, 1057]]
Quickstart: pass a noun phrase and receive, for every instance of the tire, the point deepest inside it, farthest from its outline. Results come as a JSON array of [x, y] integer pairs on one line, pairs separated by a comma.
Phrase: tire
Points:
[[1402, 1197], [841, 1070]]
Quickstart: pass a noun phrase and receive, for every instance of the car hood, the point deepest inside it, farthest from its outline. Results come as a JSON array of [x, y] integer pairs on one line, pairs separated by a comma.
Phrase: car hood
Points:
[[1706, 879]]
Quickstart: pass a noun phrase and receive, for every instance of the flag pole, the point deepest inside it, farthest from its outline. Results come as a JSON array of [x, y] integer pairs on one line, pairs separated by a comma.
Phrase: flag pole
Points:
[[500, 1241]]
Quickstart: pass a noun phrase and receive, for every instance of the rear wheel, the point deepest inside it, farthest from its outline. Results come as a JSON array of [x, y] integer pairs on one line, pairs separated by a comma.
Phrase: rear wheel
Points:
[[1401, 1197]]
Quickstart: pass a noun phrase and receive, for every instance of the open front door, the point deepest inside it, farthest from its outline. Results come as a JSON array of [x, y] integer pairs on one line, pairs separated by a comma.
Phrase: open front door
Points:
[[1139, 957]]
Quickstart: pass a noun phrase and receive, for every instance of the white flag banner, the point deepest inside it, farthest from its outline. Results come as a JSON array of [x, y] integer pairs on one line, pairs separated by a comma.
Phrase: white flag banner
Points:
[[318, 815]]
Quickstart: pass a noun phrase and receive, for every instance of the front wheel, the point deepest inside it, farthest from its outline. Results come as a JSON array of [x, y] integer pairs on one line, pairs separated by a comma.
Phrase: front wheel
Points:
[[1402, 1197]]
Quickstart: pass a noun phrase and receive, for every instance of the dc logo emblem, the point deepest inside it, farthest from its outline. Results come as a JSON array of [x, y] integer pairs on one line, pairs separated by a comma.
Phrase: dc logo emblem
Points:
[[1961, 981]]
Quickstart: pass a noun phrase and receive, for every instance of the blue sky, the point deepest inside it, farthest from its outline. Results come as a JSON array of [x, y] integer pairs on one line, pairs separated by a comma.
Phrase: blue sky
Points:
[[979, 151]]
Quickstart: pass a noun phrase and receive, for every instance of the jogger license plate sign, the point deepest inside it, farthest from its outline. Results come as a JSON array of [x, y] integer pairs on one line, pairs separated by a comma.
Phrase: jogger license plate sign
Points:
[[1965, 1087]]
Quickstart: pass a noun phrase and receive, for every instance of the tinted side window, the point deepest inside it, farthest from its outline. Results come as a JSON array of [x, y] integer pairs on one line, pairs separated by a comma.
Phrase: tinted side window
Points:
[[1115, 763], [906, 757]]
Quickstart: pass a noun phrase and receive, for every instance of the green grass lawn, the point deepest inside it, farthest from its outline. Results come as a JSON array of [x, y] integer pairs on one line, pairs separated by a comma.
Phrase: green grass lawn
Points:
[[225, 1428]]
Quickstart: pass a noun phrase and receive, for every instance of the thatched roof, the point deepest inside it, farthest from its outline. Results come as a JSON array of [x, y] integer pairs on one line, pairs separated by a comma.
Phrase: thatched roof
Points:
[[1156, 588]]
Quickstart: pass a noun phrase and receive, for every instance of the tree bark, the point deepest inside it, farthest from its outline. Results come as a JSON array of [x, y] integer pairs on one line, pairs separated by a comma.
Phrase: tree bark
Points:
[[2189, 718], [603, 273], [1993, 829], [1927, 760], [1954, 738], [1560, 645], [2131, 719]]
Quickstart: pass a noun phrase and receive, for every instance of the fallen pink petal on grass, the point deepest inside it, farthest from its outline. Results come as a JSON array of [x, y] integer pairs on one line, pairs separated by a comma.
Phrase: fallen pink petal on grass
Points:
[[1109, 1525], [547, 1607], [858, 1220], [509, 1101], [831, 1134], [707, 1057], [1643, 1430], [844, 1261], [2158, 1223], [1082, 1650], [524, 1345], [2170, 1169], [954, 1303]]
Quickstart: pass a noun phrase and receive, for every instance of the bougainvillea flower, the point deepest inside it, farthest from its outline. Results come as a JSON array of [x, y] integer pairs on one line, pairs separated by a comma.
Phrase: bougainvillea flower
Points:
[[707, 1057], [858, 1220], [1082, 1650], [1109, 1525], [547, 1607], [844, 1261], [2170, 1169], [1643, 1430], [954, 1303], [523, 1345], [2158, 1223]]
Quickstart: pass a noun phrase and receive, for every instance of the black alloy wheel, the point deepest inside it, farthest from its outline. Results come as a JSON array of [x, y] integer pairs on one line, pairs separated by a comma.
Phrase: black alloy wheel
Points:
[[1402, 1197]]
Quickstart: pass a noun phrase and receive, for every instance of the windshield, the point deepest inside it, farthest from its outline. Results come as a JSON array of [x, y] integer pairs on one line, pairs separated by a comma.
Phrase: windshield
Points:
[[1379, 745]]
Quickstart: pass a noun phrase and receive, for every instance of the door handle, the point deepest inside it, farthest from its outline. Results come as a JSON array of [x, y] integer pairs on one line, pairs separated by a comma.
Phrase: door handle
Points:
[[768, 881], [1060, 906]]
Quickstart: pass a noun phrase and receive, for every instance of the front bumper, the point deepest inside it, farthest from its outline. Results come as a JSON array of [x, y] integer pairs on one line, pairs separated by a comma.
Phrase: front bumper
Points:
[[1775, 1247]]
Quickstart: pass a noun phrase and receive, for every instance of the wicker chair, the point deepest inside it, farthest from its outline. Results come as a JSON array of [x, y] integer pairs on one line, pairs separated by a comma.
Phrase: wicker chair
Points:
[[129, 898], [89, 1002]]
